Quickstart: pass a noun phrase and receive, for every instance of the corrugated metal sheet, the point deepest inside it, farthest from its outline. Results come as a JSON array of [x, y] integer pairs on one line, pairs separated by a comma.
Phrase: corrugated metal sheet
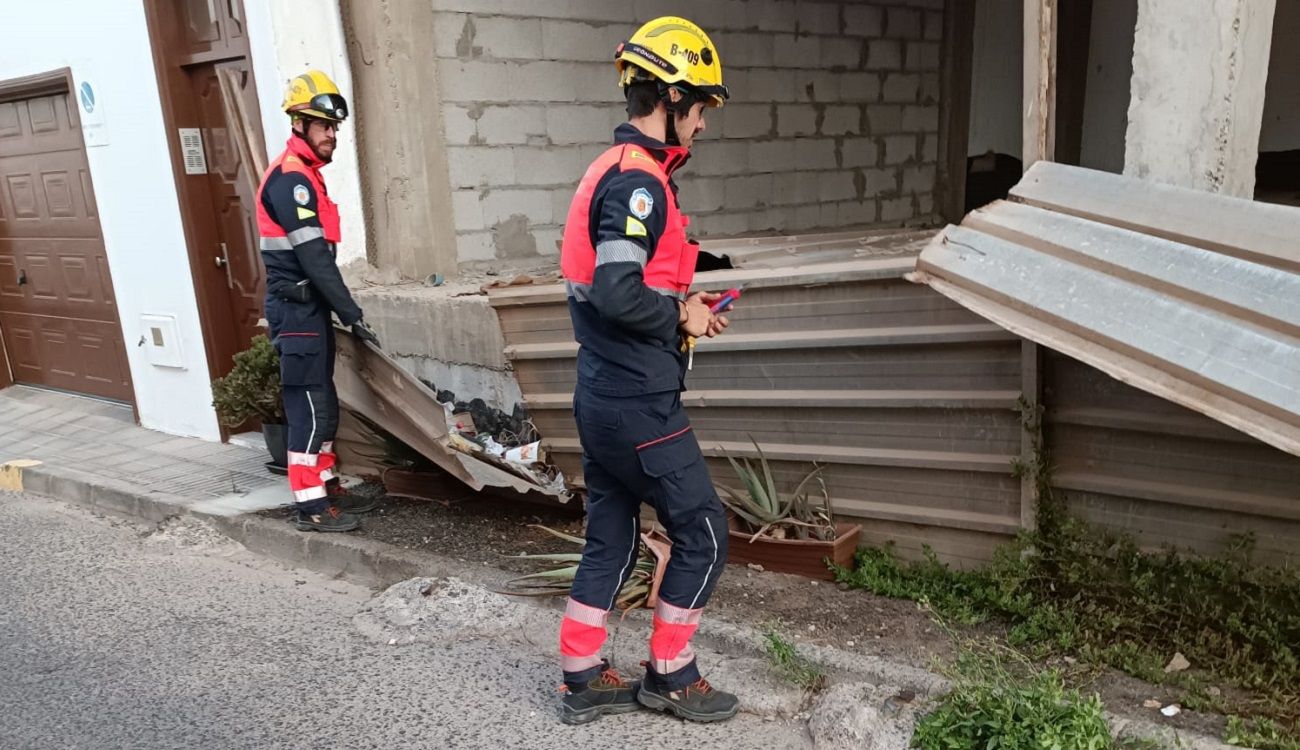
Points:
[[375, 387], [1125, 459], [791, 250], [1215, 330], [907, 399]]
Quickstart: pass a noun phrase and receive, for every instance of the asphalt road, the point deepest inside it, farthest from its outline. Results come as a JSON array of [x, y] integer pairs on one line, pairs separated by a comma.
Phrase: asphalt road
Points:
[[115, 635]]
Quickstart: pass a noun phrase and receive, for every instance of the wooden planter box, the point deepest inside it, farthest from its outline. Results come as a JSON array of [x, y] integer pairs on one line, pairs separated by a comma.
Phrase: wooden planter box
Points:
[[804, 557]]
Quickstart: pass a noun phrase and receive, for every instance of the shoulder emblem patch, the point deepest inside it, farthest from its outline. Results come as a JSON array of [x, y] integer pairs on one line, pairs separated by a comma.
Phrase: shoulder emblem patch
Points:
[[634, 228], [641, 203], [305, 213], [301, 195]]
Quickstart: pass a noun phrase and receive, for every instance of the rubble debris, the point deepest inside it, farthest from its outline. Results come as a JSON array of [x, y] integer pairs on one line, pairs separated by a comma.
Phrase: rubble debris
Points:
[[512, 430], [1177, 664]]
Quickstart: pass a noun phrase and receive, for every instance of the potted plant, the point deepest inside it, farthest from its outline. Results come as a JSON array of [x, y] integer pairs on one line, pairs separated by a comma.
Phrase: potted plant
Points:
[[251, 390], [786, 532]]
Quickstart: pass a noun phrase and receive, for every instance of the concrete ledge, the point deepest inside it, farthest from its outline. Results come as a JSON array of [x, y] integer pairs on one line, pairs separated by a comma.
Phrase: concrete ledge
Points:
[[447, 335]]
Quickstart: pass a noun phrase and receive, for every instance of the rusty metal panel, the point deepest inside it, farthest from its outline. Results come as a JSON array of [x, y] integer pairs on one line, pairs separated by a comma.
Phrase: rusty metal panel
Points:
[[906, 398]]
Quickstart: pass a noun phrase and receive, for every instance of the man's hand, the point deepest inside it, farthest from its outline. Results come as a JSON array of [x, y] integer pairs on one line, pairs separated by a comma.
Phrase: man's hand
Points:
[[694, 317], [364, 332], [717, 325]]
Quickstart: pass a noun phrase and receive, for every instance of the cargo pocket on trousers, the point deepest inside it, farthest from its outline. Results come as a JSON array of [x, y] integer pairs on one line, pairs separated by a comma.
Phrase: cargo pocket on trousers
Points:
[[302, 360], [677, 467]]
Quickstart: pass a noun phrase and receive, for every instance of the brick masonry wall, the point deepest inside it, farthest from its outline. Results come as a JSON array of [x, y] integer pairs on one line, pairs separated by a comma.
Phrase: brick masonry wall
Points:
[[833, 121]]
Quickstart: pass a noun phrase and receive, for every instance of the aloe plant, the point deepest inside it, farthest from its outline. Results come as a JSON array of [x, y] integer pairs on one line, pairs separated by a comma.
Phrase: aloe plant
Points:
[[559, 581], [765, 510]]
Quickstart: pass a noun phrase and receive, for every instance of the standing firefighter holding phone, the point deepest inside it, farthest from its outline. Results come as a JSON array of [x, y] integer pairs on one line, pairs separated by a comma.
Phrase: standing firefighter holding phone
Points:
[[628, 268]]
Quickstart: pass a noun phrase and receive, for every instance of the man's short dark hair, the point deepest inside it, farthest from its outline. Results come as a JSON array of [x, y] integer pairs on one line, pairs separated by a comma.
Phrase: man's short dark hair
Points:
[[642, 97]]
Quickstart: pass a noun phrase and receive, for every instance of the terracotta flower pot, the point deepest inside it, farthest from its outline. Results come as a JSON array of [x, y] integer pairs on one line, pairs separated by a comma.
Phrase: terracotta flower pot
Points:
[[804, 557]]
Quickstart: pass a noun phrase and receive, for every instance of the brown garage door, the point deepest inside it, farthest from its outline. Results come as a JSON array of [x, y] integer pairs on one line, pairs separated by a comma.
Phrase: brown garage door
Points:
[[58, 318]]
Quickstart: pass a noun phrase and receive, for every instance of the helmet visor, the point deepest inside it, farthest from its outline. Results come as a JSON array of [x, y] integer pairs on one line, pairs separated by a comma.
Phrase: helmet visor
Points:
[[716, 94], [328, 106]]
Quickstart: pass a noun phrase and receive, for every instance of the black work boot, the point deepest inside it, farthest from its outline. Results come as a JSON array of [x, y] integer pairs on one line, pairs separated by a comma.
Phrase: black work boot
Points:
[[348, 502], [329, 518], [698, 701], [608, 693]]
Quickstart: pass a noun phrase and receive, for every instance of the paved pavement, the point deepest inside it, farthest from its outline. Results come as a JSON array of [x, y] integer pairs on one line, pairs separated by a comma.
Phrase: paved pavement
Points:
[[101, 441], [116, 635]]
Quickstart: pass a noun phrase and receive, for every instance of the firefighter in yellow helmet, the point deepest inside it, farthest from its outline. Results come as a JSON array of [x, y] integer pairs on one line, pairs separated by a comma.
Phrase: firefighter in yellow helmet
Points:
[[628, 268], [298, 226]]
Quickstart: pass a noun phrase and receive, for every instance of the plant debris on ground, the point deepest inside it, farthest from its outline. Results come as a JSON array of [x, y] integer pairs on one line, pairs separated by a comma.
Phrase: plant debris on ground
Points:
[[558, 581]]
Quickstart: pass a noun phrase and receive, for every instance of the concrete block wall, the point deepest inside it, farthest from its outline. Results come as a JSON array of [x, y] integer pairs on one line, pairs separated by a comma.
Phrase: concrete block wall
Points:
[[833, 122]]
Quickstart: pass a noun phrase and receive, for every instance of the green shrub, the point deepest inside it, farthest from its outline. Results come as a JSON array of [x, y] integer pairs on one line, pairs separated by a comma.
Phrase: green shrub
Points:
[[1011, 706], [251, 388]]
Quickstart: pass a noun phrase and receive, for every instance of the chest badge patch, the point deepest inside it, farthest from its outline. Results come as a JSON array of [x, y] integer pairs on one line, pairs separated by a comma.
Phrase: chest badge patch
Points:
[[301, 195], [641, 203]]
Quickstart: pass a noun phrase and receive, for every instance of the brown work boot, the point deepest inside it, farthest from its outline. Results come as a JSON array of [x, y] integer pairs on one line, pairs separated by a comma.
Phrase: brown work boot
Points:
[[698, 701], [608, 693]]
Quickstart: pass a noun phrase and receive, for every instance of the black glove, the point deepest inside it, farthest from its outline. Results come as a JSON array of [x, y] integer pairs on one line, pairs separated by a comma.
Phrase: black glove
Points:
[[365, 333]]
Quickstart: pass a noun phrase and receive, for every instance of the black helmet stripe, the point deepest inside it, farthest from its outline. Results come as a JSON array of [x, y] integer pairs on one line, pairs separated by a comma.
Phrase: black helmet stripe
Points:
[[650, 55]]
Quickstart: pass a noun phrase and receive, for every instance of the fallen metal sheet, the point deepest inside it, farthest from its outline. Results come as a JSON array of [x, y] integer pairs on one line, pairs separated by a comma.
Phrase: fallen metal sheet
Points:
[[800, 250], [375, 387], [1209, 330], [1261, 232]]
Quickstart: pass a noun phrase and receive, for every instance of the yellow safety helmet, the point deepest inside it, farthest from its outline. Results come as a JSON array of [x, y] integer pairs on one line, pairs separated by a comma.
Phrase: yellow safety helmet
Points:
[[313, 94], [674, 51]]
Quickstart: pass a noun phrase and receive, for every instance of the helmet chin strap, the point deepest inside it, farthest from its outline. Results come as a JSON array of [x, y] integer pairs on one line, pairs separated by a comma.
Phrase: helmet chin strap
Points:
[[671, 136], [687, 101]]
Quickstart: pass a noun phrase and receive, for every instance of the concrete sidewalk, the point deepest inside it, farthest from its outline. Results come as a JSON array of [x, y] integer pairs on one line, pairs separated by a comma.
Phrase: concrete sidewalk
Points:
[[85, 440]]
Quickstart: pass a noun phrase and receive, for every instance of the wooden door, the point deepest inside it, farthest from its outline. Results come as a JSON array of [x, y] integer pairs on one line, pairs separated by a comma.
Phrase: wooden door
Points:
[[193, 42], [235, 266]]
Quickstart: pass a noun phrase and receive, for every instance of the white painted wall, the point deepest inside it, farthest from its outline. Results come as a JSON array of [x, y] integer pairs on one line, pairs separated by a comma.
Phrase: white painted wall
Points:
[[1110, 75], [996, 78], [108, 43], [1281, 130], [288, 37]]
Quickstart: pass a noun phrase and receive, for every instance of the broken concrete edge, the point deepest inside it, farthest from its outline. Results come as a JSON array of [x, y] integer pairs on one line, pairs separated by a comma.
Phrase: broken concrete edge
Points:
[[378, 564]]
